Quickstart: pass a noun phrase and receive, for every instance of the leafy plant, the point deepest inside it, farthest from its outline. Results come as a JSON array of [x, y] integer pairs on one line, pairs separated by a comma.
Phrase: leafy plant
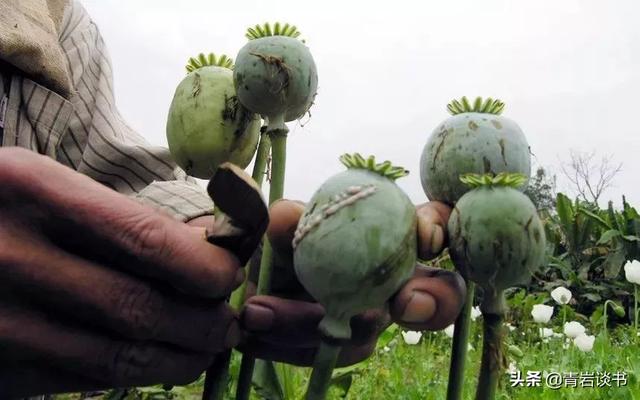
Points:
[[587, 247]]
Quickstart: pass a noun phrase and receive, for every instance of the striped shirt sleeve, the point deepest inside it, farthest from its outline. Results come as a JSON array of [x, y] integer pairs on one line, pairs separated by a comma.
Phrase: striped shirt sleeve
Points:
[[99, 143]]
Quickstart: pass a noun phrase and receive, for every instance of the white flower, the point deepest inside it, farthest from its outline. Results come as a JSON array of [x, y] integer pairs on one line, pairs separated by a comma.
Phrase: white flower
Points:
[[469, 347], [511, 327], [475, 313], [557, 334], [449, 330], [561, 295], [542, 313], [385, 349], [546, 332], [411, 337], [574, 329], [584, 342], [632, 271]]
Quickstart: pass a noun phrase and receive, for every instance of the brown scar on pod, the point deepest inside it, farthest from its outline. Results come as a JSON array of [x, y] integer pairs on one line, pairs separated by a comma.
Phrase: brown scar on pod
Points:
[[344, 199], [243, 215]]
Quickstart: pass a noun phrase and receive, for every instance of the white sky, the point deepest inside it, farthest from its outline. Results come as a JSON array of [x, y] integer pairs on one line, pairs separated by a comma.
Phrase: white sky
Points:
[[569, 72]]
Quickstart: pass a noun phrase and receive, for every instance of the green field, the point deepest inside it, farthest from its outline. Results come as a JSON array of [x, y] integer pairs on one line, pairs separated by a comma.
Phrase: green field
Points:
[[400, 371]]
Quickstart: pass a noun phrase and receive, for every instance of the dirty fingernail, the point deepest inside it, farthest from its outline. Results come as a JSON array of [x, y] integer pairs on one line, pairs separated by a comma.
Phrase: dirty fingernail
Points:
[[257, 318], [420, 307]]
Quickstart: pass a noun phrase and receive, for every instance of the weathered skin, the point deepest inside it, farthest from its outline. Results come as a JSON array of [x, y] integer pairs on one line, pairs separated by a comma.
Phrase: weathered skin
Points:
[[207, 126], [356, 258], [496, 238], [276, 75], [471, 143]]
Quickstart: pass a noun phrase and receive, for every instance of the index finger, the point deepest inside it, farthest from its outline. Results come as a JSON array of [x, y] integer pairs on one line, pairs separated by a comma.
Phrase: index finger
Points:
[[91, 220]]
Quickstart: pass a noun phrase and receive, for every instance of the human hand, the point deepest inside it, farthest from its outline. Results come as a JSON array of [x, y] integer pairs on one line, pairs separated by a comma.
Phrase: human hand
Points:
[[283, 327], [98, 290]]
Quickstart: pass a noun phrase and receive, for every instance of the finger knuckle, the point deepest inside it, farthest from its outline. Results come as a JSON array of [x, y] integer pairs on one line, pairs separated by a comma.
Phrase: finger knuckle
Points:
[[143, 364], [146, 236], [128, 363], [14, 253], [138, 309]]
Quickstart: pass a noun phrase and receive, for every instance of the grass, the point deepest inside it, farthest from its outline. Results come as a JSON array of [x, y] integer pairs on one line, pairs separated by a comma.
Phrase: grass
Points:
[[421, 371], [400, 371]]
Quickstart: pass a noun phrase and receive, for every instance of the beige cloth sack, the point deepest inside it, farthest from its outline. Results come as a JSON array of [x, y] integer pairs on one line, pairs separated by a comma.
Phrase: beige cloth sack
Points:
[[29, 31]]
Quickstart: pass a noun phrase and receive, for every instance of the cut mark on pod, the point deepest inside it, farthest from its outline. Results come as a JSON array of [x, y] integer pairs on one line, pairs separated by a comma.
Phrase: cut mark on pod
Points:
[[350, 196], [195, 91], [443, 135], [279, 70], [501, 143]]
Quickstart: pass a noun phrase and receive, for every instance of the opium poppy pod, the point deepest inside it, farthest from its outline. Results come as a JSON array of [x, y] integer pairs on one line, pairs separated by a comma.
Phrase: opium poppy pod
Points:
[[207, 125], [496, 238], [356, 242], [275, 74], [475, 139]]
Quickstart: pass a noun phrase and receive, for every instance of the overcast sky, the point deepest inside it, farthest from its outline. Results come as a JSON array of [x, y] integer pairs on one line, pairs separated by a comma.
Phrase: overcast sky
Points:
[[568, 71]]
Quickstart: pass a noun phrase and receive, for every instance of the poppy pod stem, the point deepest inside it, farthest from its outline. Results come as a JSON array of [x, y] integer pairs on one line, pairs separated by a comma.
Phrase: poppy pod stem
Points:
[[459, 347], [493, 359], [276, 191], [635, 308], [264, 148], [278, 141], [323, 366]]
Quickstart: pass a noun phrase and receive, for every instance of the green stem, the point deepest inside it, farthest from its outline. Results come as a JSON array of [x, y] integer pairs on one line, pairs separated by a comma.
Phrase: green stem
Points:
[[459, 347], [245, 375], [217, 377], [323, 365], [247, 363], [259, 171], [276, 190], [278, 159], [261, 158], [278, 138], [493, 358], [604, 317], [218, 374], [635, 309]]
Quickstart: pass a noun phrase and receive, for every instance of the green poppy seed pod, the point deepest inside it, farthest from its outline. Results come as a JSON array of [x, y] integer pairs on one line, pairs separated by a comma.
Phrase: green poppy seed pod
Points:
[[207, 125], [275, 76], [355, 244], [476, 139], [496, 238]]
